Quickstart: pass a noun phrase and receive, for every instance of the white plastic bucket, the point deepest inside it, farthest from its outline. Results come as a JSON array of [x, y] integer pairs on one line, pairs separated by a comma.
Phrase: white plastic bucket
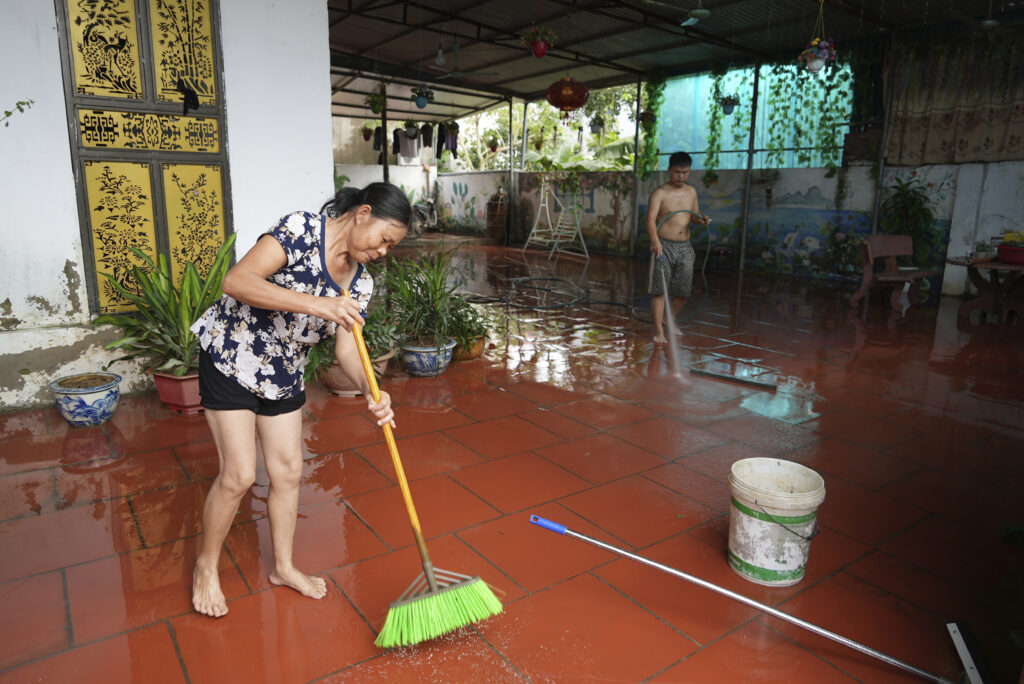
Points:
[[772, 519]]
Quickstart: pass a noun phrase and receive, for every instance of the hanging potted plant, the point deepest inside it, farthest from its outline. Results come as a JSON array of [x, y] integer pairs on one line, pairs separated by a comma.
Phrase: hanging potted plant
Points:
[[492, 143], [367, 131], [87, 399], [158, 330], [539, 39], [376, 98], [728, 103], [597, 124], [422, 95], [818, 53], [412, 128]]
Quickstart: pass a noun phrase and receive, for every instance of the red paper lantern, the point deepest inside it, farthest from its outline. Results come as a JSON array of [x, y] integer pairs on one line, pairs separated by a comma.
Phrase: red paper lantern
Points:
[[567, 95]]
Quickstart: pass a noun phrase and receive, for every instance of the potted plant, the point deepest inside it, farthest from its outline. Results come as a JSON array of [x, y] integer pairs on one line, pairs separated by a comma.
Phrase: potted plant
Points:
[[983, 251], [492, 143], [728, 103], [539, 39], [87, 399], [376, 98], [422, 95], [420, 297], [382, 341], [469, 328], [1011, 248], [906, 211], [818, 53], [367, 131], [158, 330], [597, 124]]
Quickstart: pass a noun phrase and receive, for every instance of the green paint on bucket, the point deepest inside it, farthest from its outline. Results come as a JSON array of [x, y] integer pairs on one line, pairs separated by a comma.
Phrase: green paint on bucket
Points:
[[772, 519]]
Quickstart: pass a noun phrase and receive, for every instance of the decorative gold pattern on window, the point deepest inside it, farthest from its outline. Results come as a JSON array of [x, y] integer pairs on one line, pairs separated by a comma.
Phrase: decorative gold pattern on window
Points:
[[121, 217], [183, 49], [108, 129], [195, 215], [105, 48]]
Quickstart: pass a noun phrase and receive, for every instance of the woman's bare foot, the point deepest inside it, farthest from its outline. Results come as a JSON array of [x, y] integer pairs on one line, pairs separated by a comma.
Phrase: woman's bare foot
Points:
[[207, 598], [307, 585], [660, 339]]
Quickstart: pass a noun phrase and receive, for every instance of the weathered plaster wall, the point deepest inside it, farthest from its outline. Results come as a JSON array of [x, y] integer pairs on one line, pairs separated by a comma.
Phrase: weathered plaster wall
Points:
[[278, 133]]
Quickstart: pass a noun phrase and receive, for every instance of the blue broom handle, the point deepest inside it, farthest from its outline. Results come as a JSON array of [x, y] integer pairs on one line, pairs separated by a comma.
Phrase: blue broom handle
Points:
[[821, 631]]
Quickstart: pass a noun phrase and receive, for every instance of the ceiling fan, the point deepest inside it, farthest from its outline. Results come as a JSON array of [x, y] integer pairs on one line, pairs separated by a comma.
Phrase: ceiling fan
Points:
[[696, 14], [455, 71]]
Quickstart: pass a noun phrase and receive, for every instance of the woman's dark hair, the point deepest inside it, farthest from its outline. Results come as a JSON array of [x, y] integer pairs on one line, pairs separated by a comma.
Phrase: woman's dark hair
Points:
[[386, 201]]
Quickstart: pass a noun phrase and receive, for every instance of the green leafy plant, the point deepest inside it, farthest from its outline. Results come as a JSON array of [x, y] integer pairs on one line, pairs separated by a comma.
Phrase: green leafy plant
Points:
[[379, 333], [159, 329], [542, 33], [906, 211], [654, 91], [467, 322], [422, 91], [19, 106], [419, 294], [377, 98]]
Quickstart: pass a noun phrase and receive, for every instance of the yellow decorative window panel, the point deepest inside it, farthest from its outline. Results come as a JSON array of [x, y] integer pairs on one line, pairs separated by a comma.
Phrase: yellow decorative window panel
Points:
[[183, 50], [105, 48], [121, 217], [114, 130], [195, 215]]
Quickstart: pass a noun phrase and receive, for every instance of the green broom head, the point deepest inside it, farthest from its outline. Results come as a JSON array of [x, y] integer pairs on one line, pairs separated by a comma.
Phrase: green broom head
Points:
[[421, 614]]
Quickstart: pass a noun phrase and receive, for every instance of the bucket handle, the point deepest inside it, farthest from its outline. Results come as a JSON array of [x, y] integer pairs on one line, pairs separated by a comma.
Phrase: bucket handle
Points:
[[812, 535]]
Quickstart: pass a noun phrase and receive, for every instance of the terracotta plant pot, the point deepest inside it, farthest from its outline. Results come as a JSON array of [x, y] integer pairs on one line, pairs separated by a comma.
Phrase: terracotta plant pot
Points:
[[179, 393], [367, 135], [539, 48], [1011, 255], [474, 351], [338, 384]]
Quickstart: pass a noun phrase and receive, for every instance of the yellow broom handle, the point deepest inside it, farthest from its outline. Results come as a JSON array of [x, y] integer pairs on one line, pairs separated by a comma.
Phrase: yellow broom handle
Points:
[[371, 378]]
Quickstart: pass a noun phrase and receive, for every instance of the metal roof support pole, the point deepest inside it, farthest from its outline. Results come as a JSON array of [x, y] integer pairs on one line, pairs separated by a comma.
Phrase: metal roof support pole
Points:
[[750, 167], [636, 170], [522, 154], [510, 216], [385, 142]]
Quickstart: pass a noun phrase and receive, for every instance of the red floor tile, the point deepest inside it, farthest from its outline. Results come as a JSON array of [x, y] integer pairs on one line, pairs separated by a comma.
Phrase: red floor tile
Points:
[[28, 423], [920, 587], [373, 584], [516, 482], [458, 657], [765, 434], [132, 590], [851, 608], [55, 540], [166, 515], [410, 421], [712, 493], [852, 427], [286, 638], [422, 456], [33, 620], [335, 476], [975, 460], [27, 493], [491, 403], [668, 438], [638, 511], [852, 462], [531, 556], [754, 653], [601, 457], [326, 536], [543, 393], [716, 463], [441, 505], [863, 514], [551, 420], [145, 655], [31, 453], [604, 413], [503, 436], [585, 618], [199, 460], [337, 434], [147, 434], [118, 477]]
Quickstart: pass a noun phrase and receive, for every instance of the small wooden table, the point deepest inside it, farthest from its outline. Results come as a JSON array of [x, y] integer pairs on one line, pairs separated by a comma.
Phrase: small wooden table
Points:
[[1000, 288]]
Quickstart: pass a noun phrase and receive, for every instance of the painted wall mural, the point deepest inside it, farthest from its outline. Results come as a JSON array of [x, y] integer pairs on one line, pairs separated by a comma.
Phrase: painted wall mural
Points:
[[464, 198]]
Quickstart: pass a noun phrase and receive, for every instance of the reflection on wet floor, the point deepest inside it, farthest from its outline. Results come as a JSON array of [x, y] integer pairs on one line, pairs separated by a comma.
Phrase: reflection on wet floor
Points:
[[914, 421]]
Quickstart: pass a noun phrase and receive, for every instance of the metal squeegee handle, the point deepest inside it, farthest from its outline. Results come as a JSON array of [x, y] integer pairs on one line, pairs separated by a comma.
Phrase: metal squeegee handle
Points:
[[820, 631]]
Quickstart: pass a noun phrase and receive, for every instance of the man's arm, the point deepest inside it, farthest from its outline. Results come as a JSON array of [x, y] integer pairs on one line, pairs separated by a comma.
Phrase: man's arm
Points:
[[698, 218], [653, 209]]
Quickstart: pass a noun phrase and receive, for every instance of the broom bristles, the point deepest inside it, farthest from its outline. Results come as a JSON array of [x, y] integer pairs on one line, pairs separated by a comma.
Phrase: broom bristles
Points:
[[437, 613]]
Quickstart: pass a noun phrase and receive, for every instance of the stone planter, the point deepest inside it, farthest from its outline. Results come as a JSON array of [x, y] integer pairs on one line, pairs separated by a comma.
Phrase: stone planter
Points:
[[87, 399]]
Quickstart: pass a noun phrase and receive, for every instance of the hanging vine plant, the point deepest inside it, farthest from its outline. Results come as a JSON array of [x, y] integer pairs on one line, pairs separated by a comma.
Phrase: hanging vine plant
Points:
[[653, 95], [715, 114]]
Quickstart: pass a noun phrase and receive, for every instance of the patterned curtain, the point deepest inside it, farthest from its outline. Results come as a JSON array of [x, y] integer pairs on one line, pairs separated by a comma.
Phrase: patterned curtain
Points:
[[957, 100]]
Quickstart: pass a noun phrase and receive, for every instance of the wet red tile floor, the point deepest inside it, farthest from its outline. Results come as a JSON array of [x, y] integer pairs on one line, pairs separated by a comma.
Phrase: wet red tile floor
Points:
[[916, 424]]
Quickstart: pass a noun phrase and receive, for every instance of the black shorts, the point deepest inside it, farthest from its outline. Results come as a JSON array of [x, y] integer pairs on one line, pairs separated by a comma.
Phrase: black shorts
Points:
[[221, 393]]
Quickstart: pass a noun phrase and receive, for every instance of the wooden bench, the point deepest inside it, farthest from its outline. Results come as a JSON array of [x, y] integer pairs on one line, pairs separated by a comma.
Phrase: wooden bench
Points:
[[888, 247]]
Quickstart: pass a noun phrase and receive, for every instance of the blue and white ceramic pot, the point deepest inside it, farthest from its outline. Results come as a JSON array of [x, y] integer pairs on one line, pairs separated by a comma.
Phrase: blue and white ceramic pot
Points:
[[87, 399], [427, 361]]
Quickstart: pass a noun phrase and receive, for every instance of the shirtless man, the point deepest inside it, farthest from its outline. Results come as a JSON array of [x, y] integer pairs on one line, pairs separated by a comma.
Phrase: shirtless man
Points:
[[668, 223]]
